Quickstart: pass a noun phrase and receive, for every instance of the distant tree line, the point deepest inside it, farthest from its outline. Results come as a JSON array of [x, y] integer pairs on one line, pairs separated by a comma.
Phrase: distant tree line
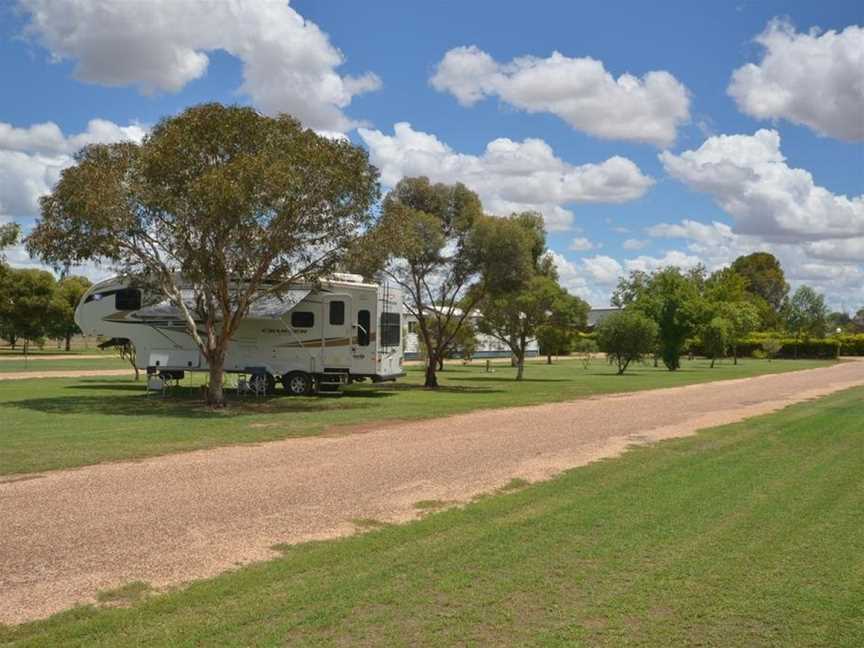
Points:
[[715, 313]]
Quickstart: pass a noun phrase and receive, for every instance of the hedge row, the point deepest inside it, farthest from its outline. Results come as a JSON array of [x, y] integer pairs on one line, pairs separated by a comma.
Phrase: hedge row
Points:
[[850, 345]]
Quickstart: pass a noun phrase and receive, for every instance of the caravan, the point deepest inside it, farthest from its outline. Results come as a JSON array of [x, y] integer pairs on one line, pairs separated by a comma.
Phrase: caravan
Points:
[[309, 338]]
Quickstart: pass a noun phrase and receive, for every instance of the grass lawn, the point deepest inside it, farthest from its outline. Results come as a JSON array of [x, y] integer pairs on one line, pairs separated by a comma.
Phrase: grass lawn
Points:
[[18, 364], [745, 535], [61, 423]]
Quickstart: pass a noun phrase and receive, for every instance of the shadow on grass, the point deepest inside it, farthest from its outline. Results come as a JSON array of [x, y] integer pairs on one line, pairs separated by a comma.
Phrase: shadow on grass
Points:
[[188, 405], [442, 389], [512, 379]]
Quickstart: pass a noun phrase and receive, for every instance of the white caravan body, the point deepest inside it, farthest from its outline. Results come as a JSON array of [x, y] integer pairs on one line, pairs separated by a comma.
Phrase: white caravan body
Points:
[[338, 331]]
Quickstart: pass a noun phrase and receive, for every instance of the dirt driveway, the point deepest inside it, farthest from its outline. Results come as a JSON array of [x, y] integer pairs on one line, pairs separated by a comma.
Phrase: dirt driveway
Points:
[[66, 535]]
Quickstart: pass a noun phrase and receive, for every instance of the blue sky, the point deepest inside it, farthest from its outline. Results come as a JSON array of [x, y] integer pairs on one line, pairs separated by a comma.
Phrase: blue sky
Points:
[[67, 63]]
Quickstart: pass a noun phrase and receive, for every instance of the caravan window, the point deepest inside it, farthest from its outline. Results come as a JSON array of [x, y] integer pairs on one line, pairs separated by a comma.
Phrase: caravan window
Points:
[[364, 321], [390, 329], [337, 313], [127, 299], [302, 319]]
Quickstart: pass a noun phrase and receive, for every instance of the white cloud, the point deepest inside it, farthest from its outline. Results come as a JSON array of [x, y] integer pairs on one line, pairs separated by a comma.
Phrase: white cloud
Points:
[[603, 269], [850, 249], [749, 178], [634, 244], [578, 90], [509, 176], [670, 258], [812, 79], [581, 244], [32, 158], [289, 64], [831, 266], [574, 278], [48, 139]]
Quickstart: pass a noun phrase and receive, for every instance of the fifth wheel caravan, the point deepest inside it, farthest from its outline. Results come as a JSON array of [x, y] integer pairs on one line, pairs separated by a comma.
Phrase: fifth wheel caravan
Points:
[[309, 338]]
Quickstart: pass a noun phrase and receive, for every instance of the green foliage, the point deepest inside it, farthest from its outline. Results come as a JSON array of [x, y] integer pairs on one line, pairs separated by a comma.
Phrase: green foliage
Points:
[[672, 300], [764, 276], [715, 338], [807, 314], [541, 307], [240, 203], [68, 294], [771, 347], [627, 336], [9, 234], [26, 304], [435, 243], [585, 348]]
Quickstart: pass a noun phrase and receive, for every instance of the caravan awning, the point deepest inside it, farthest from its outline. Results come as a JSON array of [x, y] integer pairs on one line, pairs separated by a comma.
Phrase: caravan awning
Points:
[[271, 307]]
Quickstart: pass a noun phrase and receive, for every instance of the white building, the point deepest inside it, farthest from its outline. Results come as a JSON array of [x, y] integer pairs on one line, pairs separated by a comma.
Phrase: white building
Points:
[[487, 346]]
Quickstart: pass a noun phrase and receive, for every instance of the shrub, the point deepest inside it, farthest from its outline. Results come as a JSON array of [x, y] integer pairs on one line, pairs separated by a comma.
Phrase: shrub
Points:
[[585, 347], [626, 337]]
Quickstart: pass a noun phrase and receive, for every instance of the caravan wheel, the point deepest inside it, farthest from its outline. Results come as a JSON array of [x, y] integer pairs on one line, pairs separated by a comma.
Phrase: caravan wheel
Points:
[[297, 383], [262, 383]]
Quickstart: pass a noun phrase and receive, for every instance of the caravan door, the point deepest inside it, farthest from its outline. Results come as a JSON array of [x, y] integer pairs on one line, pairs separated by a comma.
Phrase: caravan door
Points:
[[338, 316]]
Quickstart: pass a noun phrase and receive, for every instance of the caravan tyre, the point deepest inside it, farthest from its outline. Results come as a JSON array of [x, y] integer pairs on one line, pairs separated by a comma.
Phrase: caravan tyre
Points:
[[268, 386], [297, 383]]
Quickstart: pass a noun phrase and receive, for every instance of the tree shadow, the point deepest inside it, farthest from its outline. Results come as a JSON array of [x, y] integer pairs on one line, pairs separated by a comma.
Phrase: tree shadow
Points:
[[185, 406], [512, 379], [443, 389]]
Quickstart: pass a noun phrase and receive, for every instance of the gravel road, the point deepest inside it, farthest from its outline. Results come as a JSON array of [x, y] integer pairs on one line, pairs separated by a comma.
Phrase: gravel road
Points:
[[66, 535]]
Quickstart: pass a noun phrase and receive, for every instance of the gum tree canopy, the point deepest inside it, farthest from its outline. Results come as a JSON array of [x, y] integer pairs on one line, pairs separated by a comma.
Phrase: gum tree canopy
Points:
[[437, 245], [238, 204]]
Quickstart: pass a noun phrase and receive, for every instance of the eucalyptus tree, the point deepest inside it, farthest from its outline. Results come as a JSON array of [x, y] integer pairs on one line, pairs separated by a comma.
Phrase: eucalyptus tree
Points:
[[806, 315], [437, 245], [538, 307], [219, 207], [68, 293]]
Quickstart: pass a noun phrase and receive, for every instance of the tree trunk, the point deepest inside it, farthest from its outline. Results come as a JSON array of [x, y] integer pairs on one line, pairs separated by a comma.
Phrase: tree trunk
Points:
[[68, 341], [520, 367], [622, 366], [431, 379], [713, 358], [548, 358], [215, 392], [441, 363], [735, 354]]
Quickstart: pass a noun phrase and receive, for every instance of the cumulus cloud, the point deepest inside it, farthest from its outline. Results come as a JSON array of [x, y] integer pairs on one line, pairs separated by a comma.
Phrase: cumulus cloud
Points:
[[850, 249], [574, 278], [634, 244], [509, 176], [581, 244], [832, 266], [748, 177], [671, 258], [32, 158], [603, 269], [48, 139], [289, 64], [812, 79], [578, 90]]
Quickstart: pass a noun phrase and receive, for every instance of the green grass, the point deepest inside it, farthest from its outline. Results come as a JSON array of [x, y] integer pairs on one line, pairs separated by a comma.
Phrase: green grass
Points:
[[125, 595], [745, 535], [62, 423], [19, 364]]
